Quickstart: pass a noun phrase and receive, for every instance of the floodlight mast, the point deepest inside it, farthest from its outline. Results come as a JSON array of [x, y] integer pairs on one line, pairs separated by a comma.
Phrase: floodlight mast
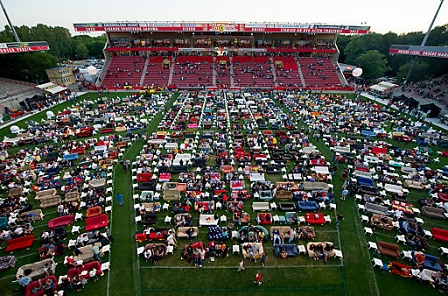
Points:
[[9, 22], [423, 42]]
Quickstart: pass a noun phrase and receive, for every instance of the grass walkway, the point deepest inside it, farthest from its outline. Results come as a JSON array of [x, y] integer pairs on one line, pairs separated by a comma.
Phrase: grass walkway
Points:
[[124, 278]]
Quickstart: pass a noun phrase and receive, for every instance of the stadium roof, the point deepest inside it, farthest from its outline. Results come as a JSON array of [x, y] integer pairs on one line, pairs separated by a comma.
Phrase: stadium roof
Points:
[[220, 27], [422, 51]]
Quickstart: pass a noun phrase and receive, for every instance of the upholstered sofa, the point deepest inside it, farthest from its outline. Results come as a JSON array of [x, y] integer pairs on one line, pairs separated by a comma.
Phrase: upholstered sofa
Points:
[[33, 288], [257, 255], [283, 194], [86, 253], [388, 249], [50, 201], [38, 215], [440, 234], [433, 212], [181, 232], [72, 196], [284, 231], [37, 269], [94, 211], [381, 222], [375, 209], [40, 194], [20, 243], [324, 244], [310, 186], [7, 262], [307, 206], [152, 206], [291, 249], [413, 184], [61, 221]]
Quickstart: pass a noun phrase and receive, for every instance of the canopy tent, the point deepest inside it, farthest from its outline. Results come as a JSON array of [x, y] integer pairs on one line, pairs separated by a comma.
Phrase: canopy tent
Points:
[[433, 109], [411, 102], [51, 87]]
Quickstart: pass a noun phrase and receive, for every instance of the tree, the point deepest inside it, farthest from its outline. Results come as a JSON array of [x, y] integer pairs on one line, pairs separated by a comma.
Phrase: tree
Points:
[[373, 63], [81, 50], [420, 72]]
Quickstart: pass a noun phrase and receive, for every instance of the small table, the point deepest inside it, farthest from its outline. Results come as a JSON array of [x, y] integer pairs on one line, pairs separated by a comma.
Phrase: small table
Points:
[[368, 230], [167, 220], [327, 219], [301, 249], [427, 233], [419, 220], [236, 249], [165, 207], [373, 245], [282, 219], [276, 219]]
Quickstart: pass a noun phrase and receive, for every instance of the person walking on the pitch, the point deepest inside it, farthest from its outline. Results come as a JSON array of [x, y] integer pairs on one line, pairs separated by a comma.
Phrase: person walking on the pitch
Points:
[[241, 265], [258, 278]]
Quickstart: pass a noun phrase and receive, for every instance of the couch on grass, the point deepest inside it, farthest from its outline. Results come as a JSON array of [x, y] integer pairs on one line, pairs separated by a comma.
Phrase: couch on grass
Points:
[[286, 206], [324, 244], [257, 255], [94, 211], [71, 196], [40, 194], [181, 232], [315, 218], [260, 206], [7, 262], [20, 243], [97, 222], [430, 262], [388, 249], [61, 221], [413, 184], [381, 222], [151, 206], [86, 253], [375, 209], [208, 220], [282, 231], [170, 195], [291, 249], [50, 201], [440, 234], [283, 194], [433, 212], [36, 269], [88, 267], [307, 206], [36, 214], [313, 186], [34, 288]]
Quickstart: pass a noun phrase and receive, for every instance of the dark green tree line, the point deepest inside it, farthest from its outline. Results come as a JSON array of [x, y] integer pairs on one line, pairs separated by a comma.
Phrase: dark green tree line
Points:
[[31, 66]]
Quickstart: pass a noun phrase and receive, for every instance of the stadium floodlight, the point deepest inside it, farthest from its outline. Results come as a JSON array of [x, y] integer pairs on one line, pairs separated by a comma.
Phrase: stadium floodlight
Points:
[[423, 43], [9, 22]]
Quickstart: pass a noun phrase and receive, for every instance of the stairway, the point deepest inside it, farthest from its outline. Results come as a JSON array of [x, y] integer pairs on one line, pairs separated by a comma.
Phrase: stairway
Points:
[[232, 74], [302, 79], [145, 67], [274, 74], [170, 79]]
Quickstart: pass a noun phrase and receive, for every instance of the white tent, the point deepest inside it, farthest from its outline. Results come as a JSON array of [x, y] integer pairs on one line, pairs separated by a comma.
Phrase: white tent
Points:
[[51, 87]]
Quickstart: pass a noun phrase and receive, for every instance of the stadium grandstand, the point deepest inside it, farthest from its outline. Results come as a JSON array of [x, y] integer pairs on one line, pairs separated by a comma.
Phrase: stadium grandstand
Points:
[[13, 92], [189, 56]]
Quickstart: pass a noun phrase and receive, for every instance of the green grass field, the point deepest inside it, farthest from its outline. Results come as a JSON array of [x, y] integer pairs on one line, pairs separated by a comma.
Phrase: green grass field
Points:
[[131, 275]]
